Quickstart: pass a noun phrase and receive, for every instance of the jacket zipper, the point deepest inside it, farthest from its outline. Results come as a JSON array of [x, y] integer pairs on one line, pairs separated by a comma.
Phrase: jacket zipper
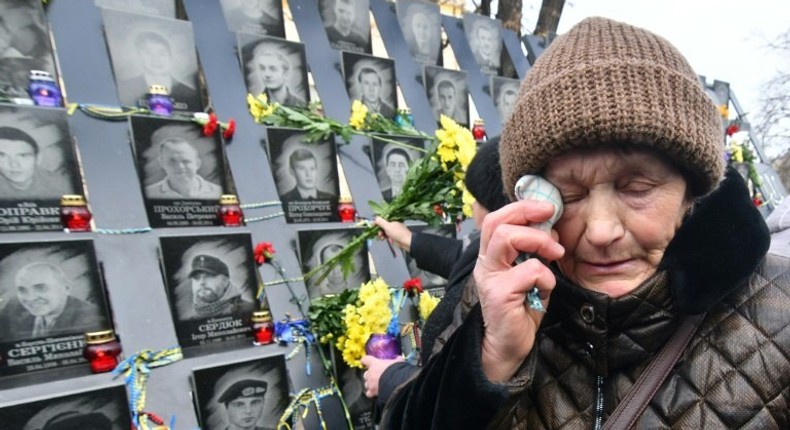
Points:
[[598, 403]]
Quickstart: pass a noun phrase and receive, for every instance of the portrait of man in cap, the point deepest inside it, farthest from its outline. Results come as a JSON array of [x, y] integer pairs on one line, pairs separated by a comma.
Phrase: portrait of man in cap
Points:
[[212, 292], [73, 420], [242, 395], [243, 402]]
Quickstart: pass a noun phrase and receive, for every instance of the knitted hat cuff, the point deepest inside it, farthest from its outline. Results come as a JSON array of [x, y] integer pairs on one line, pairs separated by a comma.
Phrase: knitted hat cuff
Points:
[[620, 101]]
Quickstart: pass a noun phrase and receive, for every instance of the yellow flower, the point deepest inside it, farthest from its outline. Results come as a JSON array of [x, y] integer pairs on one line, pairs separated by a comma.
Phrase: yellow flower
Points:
[[467, 147], [359, 112], [427, 304], [467, 198], [724, 111], [737, 153], [260, 107]]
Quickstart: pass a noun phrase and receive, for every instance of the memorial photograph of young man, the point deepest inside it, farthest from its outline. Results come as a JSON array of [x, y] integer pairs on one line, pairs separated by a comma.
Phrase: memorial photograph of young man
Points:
[[147, 50], [254, 16], [485, 39], [176, 162], [371, 80], [276, 68], [242, 395], [421, 25], [347, 24], [448, 93]]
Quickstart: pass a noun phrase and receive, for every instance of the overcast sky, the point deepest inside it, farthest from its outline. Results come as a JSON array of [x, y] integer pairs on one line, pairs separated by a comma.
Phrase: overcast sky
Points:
[[724, 40]]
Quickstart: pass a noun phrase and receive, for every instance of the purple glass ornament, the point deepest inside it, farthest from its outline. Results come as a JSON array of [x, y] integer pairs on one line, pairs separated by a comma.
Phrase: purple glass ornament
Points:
[[159, 101], [43, 89], [383, 346]]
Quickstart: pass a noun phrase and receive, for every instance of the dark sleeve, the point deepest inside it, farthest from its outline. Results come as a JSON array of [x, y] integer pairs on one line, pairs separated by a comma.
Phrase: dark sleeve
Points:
[[451, 391], [434, 253], [394, 376]]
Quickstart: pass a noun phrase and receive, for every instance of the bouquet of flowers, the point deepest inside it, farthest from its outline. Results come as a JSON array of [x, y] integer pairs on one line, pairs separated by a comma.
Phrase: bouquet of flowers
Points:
[[365, 321], [433, 190]]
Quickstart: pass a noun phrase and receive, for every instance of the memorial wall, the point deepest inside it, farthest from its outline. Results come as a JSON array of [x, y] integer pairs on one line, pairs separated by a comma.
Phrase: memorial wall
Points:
[[149, 258]]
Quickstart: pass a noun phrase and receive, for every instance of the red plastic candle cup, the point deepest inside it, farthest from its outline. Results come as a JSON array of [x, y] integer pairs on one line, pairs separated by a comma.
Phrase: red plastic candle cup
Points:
[[230, 214], [102, 350], [262, 327], [346, 210], [74, 213]]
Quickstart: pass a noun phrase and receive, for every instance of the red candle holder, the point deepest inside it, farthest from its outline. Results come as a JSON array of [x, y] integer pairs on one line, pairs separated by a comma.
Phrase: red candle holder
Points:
[[102, 350], [74, 213], [479, 130], [346, 210], [262, 327], [230, 214]]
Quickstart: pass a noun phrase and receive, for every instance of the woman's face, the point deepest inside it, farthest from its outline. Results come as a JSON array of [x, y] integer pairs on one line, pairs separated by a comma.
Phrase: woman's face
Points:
[[621, 211]]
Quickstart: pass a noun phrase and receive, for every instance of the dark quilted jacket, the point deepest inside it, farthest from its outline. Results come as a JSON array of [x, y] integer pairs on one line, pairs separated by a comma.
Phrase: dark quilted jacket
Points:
[[735, 373]]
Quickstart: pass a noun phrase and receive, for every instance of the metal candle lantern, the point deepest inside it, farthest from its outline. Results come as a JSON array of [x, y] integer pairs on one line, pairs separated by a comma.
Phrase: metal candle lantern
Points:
[[159, 100], [43, 89], [74, 213]]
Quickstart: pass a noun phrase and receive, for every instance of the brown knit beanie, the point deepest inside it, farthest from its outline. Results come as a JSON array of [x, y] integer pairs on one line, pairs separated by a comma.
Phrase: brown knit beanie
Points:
[[609, 83]]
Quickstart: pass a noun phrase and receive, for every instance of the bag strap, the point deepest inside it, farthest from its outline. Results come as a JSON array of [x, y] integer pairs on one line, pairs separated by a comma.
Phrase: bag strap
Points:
[[637, 398]]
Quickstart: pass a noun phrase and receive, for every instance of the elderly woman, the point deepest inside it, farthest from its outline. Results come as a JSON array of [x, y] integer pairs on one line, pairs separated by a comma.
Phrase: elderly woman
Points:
[[652, 238]]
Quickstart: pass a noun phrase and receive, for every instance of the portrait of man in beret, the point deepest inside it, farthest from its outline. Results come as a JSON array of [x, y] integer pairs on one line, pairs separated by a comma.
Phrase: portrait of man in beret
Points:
[[244, 401]]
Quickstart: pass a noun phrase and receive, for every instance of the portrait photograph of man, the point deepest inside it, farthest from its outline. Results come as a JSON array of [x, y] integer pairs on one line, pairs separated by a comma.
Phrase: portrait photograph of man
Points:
[[24, 46], [347, 24], [275, 67], [147, 50], [392, 161], [254, 16], [448, 93], [212, 286], [429, 280], [318, 246], [422, 28], [177, 163], [306, 175], [99, 409], [247, 395], [49, 290], [371, 80], [38, 162], [505, 93], [485, 38]]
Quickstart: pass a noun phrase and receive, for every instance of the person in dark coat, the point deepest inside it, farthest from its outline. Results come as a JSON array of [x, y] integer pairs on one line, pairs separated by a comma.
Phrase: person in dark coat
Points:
[[445, 257], [652, 233], [43, 306]]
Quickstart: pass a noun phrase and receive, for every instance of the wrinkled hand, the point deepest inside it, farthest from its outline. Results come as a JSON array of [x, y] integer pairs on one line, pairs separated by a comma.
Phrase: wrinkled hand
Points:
[[376, 367], [510, 325], [396, 232]]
